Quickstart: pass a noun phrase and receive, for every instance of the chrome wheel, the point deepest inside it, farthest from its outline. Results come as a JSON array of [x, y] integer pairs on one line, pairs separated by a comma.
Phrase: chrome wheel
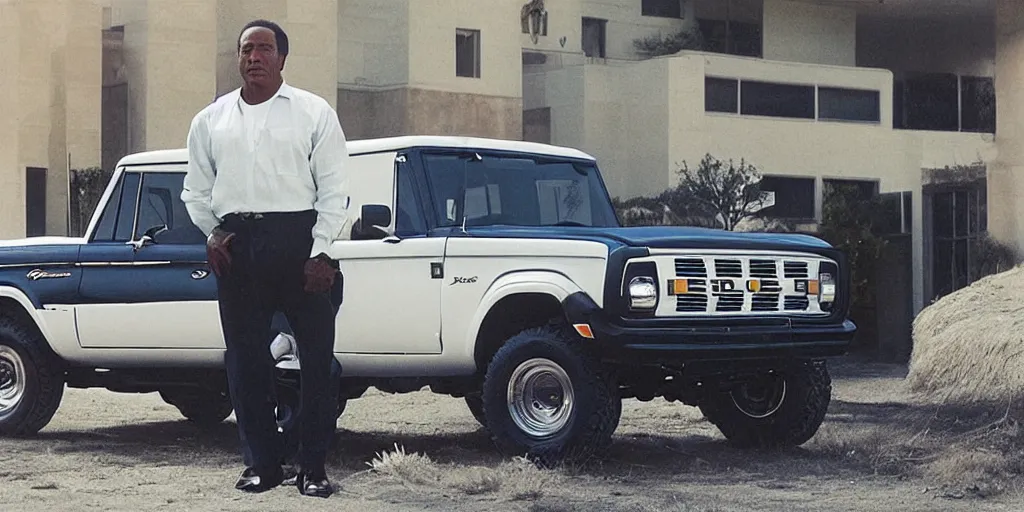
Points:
[[12, 381], [761, 399], [540, 397]]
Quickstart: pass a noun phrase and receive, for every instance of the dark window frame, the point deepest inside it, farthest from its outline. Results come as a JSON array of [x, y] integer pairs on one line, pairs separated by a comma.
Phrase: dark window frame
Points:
[[474, 46], [812, 99], [662, 9], [825, 108], [602, 27], [764, 102], [36, 179], [811, 213]]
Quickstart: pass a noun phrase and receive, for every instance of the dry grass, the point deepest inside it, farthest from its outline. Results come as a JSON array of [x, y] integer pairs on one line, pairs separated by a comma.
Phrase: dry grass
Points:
[[515, 480], [968, 366], [969, 345], [962, 450]]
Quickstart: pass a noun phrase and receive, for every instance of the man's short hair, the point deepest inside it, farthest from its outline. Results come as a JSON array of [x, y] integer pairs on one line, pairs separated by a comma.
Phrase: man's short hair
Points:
[[279, 34]]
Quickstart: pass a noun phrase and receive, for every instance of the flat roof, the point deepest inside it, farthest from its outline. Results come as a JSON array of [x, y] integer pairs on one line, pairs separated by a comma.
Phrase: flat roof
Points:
[[164, 156]]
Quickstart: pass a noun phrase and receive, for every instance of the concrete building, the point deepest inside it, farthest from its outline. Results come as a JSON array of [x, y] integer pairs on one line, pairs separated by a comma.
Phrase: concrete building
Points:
[[883, 92]]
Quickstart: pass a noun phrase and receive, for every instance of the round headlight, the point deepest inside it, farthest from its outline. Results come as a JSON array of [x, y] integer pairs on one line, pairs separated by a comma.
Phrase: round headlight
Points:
[[642, 293]]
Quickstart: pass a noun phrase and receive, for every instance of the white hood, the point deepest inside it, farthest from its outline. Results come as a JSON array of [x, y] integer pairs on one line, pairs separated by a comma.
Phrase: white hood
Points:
[[42, 240]]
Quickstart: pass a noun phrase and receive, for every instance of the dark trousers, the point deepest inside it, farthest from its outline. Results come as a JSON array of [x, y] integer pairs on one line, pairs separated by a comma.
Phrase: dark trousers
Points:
[[266, 275]]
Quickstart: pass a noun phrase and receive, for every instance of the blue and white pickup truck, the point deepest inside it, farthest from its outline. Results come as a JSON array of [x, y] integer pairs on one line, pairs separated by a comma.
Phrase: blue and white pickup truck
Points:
[[494, 271]]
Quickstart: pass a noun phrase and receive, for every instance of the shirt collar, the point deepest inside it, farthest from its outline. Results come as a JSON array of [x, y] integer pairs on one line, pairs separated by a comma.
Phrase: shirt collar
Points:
[[285, 91]]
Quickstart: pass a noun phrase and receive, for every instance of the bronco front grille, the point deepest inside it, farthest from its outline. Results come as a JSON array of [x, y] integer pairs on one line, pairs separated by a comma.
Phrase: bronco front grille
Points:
[[727, 284]]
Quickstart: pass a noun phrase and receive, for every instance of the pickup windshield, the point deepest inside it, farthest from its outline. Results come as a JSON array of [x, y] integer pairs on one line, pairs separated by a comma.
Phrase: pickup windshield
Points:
[[487, 190]]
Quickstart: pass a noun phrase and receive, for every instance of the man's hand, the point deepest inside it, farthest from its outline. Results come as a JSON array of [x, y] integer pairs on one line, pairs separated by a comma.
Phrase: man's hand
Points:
[[218, 252], [319, 273]]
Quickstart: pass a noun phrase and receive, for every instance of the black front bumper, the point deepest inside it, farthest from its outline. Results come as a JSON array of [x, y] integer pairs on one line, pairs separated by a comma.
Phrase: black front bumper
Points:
[[677, 341]]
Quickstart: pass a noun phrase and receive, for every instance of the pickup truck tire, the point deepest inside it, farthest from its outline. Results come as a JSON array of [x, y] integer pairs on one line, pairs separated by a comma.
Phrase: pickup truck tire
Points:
[[200, 406], [785, 411], [552, 359], [475, 402], [31, 380]]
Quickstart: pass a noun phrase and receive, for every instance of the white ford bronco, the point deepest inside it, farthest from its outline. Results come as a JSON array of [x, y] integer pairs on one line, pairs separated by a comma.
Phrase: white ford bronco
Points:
[[494, 271]]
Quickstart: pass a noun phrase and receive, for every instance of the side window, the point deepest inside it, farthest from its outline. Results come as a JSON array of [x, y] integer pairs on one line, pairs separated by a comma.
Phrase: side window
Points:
[[126, 208], [447, 176], [104, 231], [564, 201], [483, 201], [161, 210], [409, 219]]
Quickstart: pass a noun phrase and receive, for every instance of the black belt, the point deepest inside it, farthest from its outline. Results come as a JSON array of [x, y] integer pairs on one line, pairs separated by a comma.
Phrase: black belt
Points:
[[249, 216]]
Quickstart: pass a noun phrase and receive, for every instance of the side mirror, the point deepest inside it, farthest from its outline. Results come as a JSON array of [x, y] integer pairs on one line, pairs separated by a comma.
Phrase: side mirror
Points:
[[154, 231], [374, 220]]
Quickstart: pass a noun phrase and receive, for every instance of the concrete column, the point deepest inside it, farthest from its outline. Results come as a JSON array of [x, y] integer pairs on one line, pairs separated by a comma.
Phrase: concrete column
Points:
[[171, 63], [312, 28], [12, 181], [1006, 176]]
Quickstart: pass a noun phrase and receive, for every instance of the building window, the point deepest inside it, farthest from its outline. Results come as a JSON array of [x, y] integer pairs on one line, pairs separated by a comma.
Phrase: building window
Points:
[[836, 104], [959, 219], [944, 102], [865, 189], [731, 37], [794, 198], [662, 8], [594, 37], [977, 104], [541, 30], [35, 201], [467, 53], [754, 98], [721, 95], [777, 100]]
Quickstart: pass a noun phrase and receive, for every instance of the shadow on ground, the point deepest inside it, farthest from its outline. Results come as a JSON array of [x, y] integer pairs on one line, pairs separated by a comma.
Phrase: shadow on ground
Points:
[[184, 443]]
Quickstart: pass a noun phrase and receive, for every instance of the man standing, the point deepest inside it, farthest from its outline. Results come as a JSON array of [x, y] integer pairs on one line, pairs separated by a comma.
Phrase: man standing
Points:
[[266, 182]]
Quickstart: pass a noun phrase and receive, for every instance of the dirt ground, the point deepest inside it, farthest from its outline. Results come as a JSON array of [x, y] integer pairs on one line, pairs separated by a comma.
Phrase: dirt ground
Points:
[[107, 451]]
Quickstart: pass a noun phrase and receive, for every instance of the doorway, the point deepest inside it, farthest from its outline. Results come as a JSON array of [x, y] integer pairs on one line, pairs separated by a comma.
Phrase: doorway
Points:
[[35, 201]]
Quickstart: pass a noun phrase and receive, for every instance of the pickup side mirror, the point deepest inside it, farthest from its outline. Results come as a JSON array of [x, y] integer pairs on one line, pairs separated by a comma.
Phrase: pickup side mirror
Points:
[[374, 220]]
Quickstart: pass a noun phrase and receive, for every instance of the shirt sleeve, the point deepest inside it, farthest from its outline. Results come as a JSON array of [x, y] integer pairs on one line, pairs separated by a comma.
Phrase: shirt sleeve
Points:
[[329, 166], [199, 177]]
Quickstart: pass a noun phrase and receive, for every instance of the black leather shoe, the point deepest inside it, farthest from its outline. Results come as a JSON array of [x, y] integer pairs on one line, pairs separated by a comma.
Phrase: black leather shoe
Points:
[[251, 481], [319, 487], [290, 475]]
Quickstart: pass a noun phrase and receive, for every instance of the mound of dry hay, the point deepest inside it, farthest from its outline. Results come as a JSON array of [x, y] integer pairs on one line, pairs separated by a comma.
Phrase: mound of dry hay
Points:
[[969, 345]]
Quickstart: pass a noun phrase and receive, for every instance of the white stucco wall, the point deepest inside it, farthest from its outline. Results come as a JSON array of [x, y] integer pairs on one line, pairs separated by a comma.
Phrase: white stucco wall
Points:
[[627, 23], [809, 33], [373, 43], [432, 26]]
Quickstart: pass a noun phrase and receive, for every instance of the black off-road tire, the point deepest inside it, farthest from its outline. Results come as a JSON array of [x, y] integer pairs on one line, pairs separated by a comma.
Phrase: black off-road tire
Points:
[[808, 392], [43, 378], [595, 414], [475, 402], [205, 407]]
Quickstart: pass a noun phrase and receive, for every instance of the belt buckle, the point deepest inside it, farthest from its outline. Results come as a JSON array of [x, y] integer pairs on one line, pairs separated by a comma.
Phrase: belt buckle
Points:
[[250, 216]]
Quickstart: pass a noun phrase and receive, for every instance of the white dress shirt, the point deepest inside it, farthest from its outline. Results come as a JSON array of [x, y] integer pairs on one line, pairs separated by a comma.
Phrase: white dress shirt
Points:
[[284, 155]]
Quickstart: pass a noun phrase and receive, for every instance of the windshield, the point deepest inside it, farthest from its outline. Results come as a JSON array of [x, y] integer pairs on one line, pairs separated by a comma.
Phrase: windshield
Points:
[[489, 190]]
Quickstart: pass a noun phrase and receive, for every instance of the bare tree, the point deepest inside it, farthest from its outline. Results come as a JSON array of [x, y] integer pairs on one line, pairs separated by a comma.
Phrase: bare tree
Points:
[[726, 191]]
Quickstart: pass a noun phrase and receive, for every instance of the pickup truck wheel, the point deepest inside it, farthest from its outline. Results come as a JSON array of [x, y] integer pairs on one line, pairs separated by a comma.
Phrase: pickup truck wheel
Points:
[[475, 402], [783, 409], [547, 398], [31, 380], [203, 407]]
